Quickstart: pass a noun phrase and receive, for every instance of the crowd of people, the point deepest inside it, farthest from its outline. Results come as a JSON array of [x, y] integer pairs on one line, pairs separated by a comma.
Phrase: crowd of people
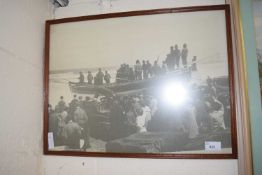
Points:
[[70, 122], [207, 110], [144, 69]]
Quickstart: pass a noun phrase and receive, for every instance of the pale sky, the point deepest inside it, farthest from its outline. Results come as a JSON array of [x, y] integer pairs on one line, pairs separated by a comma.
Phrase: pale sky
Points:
[[111, 42]]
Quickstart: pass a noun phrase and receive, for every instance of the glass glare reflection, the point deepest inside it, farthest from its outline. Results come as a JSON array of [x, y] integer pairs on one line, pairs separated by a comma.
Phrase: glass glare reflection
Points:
[[175, 94]]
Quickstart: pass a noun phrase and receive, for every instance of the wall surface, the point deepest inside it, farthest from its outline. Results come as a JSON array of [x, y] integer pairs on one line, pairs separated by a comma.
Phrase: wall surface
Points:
[[102, 166], [21, 58], [253, 83]]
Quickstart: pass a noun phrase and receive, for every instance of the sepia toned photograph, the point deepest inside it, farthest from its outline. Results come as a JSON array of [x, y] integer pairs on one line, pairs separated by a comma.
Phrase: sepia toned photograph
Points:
[[156, 83]]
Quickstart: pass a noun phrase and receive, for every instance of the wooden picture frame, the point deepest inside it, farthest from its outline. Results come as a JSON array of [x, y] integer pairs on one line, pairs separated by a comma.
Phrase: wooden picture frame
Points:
[[181, 109]]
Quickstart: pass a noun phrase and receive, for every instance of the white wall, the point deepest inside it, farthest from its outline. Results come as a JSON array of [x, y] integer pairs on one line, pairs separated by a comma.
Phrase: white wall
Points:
[[103, 166], [88, 7], [21, 58]]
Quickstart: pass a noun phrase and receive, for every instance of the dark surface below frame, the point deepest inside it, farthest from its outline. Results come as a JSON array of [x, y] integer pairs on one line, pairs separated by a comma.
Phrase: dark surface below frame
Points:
[[226, 8]]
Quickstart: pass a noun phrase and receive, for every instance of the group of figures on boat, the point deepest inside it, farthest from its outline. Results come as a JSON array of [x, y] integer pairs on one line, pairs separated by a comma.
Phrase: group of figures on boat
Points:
[[143, 69], [98, 79]]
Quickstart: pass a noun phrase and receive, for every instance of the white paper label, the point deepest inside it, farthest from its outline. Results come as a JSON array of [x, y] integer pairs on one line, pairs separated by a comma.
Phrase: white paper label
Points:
[[51, 140], [213, 146]]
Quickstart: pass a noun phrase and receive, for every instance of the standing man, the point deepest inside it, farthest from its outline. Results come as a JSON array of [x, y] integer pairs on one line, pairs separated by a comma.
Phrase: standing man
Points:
[[81, 119], [131, 74], [156, 69], [61, 106], [72, 134], [170, 59], [72, 107], [149, 68], [107, 77], [116, 118], [100, 77], [138, 70], [145, 71], [177, 55], [89, 77], [61, 102], [184, 55], [81, 78]]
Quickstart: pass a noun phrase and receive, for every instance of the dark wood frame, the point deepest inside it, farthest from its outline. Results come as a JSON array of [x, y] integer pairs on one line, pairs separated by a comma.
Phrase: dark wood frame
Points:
[[226, 8]]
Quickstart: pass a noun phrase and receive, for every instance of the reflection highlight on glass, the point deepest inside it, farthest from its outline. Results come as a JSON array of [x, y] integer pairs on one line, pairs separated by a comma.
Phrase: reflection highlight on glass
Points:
[[175, 93]]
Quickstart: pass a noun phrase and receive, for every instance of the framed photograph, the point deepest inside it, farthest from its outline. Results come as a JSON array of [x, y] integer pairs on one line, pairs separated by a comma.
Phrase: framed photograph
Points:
[[144, 84]]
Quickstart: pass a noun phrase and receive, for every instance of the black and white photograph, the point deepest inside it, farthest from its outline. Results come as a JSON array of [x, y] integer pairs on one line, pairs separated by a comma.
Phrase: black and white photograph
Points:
[[152, 84]]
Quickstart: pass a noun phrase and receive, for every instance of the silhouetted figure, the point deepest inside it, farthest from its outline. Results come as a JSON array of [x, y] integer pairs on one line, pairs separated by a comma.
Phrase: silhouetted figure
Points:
[[72, 107], [90, 77], [177, 55], [81, 119], [89, 107], [61, 106], [118, 76], [61, 103], [170, 59], [72, 134], [107, 77], [184, 55], [138, 70], [194, 64], [131, 126], [131, 74], [156, 69], [121, 75], [149, 68], [117, 119], [81, 78], [99, 77], [125, 72], [145, 71]]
